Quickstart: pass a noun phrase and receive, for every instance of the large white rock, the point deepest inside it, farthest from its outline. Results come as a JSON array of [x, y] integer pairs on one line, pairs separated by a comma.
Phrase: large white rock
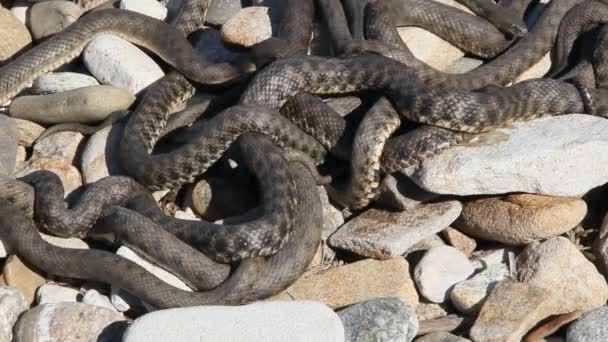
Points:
[[117, 62], [263, 321], [56, 82], [534, 156], [12, 304], [150, 8]]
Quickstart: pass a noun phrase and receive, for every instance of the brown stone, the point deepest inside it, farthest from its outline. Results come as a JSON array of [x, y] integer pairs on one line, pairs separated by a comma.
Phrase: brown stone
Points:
[[551, 326], [357, 282], [70, 177], [27, 131], [21, 276], [249, 26], [459, 240], [13, 34]]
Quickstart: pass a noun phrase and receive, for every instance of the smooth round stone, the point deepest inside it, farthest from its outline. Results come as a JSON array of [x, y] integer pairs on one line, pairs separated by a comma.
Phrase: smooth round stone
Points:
[[13, 35], [50, 17], [468, 296], [591, 327], [249, 26], [27, 131], [8, 145], [12, 304], [62, 146], [57, 82], [150, 8], [99, 157], [65, 321], [262, 321], [84, 105], [117, 62], [222, 10], [439, 269]]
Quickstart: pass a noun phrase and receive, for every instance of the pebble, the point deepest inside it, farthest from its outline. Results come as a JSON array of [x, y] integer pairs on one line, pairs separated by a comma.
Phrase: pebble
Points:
[[84, 105], [382, 319], [150, 8], [13, 34], [427, 310], [69, 322], [591, 327], [12, 304], [248, 27], [93, 297], [439, 270], [382, 234], [20, 9], [356, 282], [559, 267], [521, 218], [50, 17], [17, 274], [27, 131], [53, 293], [62, 146], [57, 82], [69, 175], [485, 258], [116, 62], [99, 157], [264, 321], [459, 240], [563, 143], [441, 336], [468, 296], [8, 141], [222, 10], [510, 311]]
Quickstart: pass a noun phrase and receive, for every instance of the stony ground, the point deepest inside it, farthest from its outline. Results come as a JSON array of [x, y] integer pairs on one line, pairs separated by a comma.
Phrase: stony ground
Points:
[[469, 266]]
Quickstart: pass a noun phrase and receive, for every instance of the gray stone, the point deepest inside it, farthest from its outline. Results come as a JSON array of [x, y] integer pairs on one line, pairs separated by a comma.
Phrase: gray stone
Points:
[[57, 82], [468, 296], [383, 234], [263, 321], [53, 293], [8, 143], [400, 193], [117, 62], [382, 319], [27, 131], [222, 10], [100, 155], [439, 270], [50, 17], [428, 311], [150, 8], [73, 243], [512, 162], [84, 105], [93, 297], [56, 322], [13, 304], [591, 327], [483, 259], [426, 244], [62, 146], [440, 336]]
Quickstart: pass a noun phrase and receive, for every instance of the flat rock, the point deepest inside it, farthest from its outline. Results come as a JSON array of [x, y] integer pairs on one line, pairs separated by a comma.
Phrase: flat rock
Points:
[[150, 8], [427, 310], [20, 10], [439, 270], [8, 141], [425, 244], [591, 327], [116, 62], [549, 327], [84, 105], [357, 282], [69, 322], [62, 146], [69, 175], [383, 234], [57, 82], [50, 17], [99, 157], [15, 273], [384, 319], [522, 218], [559, 267], [265, 321], [562, 143], [12, 304], [440, 336], [468, 296], [27, 131], [73, 243], [459, 240], [222, 10], [13, 34], [249, 26], [53, 293]]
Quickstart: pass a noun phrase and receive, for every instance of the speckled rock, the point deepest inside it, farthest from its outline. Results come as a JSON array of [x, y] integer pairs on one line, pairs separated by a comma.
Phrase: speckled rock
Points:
[[117, 62], [56, 322], [12, 304], [85, 105], [222, 10], [357, 282], [15, 273], [506, 160], [427, 310], [383, 234], [8, 141], [264, 321], [69, 175], [50, 17], [459, 240], [13, 34], [591, 327], [382, 319], [522, 218], [27, 131], [439, 270], [150, 8], [62, 146], [468, 296], [100, 155], [57, 82], [249, 26]]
